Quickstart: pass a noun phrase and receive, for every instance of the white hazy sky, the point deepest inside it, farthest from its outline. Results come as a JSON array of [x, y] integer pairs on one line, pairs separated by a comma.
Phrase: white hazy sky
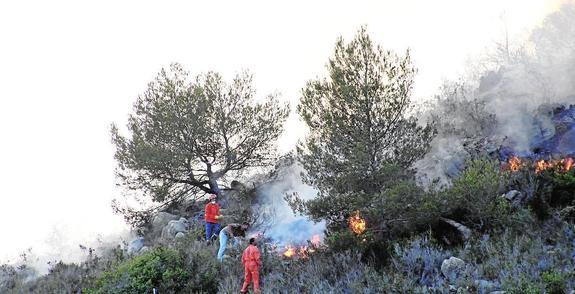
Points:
[[69, 69]]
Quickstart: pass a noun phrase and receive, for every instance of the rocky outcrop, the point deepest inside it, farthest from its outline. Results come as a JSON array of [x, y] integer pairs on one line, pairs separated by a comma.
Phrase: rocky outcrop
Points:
[[174, 227], [161, 219]]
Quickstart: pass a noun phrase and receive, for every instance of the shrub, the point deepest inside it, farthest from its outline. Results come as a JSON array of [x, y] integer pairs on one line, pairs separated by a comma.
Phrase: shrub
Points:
[[161, 268], [474, 197], [554, 282], [321, 273], [420, 261], [404, 209], [201, 264]]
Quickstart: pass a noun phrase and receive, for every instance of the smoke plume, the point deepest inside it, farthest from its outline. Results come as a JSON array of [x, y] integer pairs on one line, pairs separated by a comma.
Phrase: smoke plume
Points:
[[513, 106], [281, 224]]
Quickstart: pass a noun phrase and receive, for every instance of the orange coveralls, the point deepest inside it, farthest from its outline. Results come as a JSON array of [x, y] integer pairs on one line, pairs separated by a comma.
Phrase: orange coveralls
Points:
[[251, 261]]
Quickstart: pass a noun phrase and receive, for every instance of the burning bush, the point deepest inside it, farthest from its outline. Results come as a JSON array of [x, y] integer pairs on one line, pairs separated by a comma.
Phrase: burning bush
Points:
[[356, 223], [548, 184]]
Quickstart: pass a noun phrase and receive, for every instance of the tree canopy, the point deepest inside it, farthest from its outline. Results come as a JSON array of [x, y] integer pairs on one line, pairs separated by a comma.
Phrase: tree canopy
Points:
[[186, 134], [358, 119]]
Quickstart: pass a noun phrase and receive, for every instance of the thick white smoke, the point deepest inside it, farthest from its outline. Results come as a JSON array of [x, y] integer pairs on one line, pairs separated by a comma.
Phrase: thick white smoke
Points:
[[510, 104], [281, 224]]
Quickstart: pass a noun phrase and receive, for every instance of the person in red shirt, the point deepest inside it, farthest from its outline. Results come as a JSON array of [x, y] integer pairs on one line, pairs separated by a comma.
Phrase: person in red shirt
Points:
[[252, 263], [212, 215]]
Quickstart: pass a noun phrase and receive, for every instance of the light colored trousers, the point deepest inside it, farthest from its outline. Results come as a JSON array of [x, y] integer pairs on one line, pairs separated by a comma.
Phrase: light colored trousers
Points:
[[223, 244]]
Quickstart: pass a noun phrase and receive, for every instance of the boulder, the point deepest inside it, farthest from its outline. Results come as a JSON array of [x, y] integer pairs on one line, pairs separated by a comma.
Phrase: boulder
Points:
[[452, 268], [161, 219], [135, 245], [173, 227], [515, 197], [180, 235]]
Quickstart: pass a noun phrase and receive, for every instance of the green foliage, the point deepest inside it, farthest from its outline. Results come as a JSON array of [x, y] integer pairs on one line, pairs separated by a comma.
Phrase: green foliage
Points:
[[557, 188], [344, 240], [201, 263], [404, 209], [161, 268], [554, 282], [475, 198], [358, 120], [186, 134], [525, 286]]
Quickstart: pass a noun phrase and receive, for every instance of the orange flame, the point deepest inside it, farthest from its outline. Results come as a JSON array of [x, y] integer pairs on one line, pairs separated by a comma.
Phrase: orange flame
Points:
[[515, 163], [567, 164], [303, 252], [315, 240], [564, 165], [290, 251], [356, 223], [540, 166]]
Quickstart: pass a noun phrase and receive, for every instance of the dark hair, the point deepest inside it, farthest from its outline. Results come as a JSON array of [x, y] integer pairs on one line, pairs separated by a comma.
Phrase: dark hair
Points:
[[246, 224], [252, 240]]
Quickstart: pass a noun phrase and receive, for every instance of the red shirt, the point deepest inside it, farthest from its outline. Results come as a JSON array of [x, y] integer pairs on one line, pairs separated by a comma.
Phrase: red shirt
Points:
[[251, 256], [212, 209]]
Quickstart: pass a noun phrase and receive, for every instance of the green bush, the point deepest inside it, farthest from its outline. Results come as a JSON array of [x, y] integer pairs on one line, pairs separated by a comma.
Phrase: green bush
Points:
[[161, 268], [200, 261], [474, 199], [554, 282], [404, 209]]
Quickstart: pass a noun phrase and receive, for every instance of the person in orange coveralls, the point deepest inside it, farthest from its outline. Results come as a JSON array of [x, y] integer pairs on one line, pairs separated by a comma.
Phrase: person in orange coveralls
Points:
[[251, 261], [212, 215]]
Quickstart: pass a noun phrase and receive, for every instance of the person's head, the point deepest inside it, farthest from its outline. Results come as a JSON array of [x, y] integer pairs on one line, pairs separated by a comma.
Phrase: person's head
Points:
[[212, 198], [245, 225], [252, 241]]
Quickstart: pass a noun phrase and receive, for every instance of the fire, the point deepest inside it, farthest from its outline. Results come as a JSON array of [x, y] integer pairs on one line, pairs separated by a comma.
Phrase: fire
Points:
[[515, 163], [567, 164], [564, 165], [290, 251], [540, 166], [303, 251], [356, 223], [315, 240]]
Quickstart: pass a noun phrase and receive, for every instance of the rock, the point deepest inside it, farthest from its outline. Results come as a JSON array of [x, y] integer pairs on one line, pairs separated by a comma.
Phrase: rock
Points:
[[463, 230], [180, 235], [452, 267], [144, 250], [135, 245], [174, 227], [515, 197], [161, 219], [497, 292]]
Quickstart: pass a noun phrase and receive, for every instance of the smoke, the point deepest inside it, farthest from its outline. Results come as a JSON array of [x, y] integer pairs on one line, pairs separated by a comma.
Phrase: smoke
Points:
[[510, 104], [281, 224], [57, 246]]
